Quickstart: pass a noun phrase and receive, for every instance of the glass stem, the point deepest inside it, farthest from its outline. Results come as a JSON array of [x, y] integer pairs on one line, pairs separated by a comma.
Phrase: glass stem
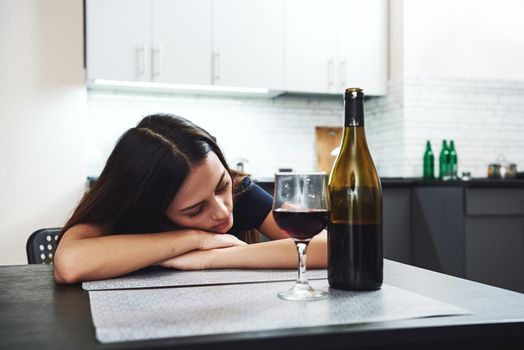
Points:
[[301, 249]]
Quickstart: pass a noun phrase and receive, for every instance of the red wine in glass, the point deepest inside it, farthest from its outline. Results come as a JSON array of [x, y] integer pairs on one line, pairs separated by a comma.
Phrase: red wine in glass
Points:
[[301, 208], [301, 225]]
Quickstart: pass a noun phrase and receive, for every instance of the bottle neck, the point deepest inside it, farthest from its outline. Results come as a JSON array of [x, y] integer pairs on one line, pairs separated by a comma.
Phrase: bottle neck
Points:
[[353, 112], [354, 138]]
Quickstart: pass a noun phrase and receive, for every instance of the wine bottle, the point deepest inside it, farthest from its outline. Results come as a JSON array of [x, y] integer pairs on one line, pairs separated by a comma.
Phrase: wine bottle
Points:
[[428, 167], [443, 162], [453, 161], [355, 253]]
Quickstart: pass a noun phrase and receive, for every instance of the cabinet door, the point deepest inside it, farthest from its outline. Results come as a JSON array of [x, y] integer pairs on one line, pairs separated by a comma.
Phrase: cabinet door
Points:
[[181, 50], [362, 55], [437, 229], [248, 43], [495, 251], [311, 46], [396, 224], [118, 34]]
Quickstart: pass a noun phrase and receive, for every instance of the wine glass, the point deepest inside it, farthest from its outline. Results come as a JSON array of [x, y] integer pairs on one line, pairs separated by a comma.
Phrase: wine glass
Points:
[[301, 208]]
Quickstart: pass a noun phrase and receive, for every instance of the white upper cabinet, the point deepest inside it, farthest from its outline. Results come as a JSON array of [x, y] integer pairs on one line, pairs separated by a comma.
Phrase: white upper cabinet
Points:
[[362, 46], [181, 48], [118, 39], [311, 46], [248, 43], [334, 44]]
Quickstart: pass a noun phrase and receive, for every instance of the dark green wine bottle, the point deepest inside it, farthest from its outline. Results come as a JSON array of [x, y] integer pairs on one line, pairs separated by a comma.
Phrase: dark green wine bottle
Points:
[[443, 162], [453, 161], [355, 255], [428, 171]]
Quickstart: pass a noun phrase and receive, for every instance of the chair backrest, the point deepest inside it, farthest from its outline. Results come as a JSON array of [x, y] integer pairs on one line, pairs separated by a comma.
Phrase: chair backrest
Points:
[[41, 246]]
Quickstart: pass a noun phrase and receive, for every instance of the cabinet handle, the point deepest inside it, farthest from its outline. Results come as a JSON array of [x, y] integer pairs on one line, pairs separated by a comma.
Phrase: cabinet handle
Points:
[[140, 52], [343, 74], [330, 73], [156, 62], [216, 66]]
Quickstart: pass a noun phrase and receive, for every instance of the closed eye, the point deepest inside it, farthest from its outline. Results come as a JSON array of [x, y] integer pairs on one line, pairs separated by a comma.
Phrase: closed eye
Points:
[[220, 190], [196, 212], [223, 188]]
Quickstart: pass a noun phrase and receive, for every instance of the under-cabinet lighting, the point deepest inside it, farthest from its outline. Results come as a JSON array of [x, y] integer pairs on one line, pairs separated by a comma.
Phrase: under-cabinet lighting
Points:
[[155, 85]]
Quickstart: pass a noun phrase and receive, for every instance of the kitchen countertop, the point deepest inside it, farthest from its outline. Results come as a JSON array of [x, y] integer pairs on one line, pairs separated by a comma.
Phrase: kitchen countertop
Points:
[[394, 182], [419, 182], [474, 182]]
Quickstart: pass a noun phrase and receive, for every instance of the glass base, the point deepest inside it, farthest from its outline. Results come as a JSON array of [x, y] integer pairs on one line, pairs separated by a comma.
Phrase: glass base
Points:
[[302, 291]]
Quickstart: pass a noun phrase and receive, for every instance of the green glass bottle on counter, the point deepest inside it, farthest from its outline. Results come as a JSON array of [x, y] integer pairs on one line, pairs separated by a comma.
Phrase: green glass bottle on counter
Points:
[[443, 162], [355, 253], [453, 161], [428, 166]]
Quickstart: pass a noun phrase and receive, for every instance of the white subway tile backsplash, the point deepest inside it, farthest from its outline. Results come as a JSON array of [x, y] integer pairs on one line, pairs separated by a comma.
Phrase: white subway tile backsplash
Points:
[[269, 133], [484, 118]]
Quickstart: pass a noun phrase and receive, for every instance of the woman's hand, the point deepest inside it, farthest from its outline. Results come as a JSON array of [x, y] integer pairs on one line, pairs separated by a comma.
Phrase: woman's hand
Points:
[[194, 260], [199, 259], [210, 240]]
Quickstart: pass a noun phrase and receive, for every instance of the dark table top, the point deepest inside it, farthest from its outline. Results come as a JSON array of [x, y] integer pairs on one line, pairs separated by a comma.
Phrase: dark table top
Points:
[[37, 313]]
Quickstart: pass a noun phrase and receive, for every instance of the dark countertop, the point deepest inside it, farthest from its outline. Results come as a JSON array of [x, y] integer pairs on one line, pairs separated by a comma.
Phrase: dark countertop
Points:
[[393, 182], [37, 313], [474, 182], [400, 182]]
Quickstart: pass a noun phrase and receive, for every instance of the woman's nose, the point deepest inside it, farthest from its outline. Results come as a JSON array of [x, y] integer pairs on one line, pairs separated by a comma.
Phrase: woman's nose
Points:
[[221, 211]]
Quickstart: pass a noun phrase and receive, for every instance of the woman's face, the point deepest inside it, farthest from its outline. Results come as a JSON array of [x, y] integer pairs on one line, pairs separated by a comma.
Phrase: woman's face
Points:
[[205, 199]]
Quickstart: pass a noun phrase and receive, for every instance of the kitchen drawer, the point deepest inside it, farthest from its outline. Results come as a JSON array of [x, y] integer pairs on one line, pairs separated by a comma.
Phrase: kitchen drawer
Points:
[[495, 201]]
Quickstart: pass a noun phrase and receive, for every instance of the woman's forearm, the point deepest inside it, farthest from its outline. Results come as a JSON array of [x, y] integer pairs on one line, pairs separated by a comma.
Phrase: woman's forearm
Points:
[[277, 254], [113, 255]]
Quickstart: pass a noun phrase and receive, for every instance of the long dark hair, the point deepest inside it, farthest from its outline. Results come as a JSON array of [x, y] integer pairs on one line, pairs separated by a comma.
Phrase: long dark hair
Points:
[[143, 173]]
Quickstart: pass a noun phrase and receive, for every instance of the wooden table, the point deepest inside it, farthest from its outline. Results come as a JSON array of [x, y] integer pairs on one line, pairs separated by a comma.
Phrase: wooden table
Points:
[[37, 313]]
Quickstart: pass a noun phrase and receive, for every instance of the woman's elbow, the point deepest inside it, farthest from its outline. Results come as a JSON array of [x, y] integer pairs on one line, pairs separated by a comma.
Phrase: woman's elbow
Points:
[[65, 269]]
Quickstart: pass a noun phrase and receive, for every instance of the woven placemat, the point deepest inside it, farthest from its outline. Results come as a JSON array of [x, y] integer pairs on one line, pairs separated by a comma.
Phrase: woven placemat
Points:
[[139, 314]]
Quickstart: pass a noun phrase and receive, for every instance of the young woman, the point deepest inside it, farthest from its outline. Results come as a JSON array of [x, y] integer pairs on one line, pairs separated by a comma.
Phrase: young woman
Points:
[[167, 197]]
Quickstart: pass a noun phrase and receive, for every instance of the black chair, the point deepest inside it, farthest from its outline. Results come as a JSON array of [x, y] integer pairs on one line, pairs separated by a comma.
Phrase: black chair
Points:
[[41, 246]]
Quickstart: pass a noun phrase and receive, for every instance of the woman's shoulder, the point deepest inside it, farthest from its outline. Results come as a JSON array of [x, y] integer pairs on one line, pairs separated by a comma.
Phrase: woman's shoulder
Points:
[[243, 184], [252, 205], [246, 182], [249, 192]]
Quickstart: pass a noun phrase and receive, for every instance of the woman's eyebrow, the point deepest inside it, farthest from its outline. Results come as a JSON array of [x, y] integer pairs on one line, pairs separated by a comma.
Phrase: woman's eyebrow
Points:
[[216, 187]]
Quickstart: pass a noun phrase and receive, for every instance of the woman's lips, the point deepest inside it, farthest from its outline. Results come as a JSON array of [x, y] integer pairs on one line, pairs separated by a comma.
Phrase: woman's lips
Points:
[[223, 224]]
